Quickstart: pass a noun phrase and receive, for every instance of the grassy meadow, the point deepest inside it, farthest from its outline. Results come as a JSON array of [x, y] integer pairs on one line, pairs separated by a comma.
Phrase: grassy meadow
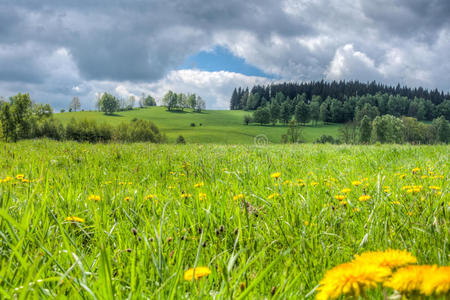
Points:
[[105, 221], [218, 126]]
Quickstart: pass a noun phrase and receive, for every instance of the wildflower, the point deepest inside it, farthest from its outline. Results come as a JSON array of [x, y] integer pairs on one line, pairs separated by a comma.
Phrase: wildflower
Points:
[[386, 189], [127, 198], [396, 202], [271, 196], [94, 197], [186, 195], [306, 223], [356, 182], [150, 196], [202, 196], [434, 188], [390, 258], [314, 183], [346, 191], [356, 209], [20, 176], [350, 279], [438, 281], [200, 184], [340, 197], [196, 273], [415, 170], [401, 176], [343, 203], [424, 176], [275, 175], [286, 182], [364, 198], [409, 279], [238, 197], [74, 219]]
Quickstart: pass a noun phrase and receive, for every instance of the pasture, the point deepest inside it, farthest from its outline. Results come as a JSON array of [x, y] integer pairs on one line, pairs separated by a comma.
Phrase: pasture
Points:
[[108, 221]]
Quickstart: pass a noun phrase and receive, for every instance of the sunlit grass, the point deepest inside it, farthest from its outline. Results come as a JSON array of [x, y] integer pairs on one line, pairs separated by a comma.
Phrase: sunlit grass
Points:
[[127, 221]]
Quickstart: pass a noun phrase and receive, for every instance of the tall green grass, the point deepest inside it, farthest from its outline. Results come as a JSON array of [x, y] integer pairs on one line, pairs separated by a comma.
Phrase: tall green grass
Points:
[[276, 241]]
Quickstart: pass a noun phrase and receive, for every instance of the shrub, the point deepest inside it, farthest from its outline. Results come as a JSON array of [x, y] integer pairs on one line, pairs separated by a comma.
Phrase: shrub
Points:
[[192, 124], [181, 140]]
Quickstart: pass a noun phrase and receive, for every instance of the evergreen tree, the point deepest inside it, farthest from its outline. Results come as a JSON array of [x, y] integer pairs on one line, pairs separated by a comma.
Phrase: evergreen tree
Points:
[[323, 112], [302, 112], [314, 109], [285, 114], [274, 112]]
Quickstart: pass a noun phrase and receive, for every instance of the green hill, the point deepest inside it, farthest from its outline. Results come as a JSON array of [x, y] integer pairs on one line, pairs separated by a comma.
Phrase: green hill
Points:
[[217, 126]]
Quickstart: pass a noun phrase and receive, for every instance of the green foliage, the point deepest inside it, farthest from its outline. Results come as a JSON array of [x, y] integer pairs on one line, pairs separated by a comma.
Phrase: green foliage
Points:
[[326, 139], [181, 140], [365, 130], [109, 104], [284, 233], [388, 129], [262, 115], [294, 134], [302, 112], [247, 119], [442, 129], [275, 111]]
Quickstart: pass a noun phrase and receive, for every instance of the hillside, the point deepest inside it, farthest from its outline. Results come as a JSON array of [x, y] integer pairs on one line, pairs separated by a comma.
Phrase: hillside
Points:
[[218, 126]]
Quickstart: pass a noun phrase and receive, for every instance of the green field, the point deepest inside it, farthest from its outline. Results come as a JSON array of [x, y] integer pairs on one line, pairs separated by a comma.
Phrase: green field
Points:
[[150, 212], [218, 126]]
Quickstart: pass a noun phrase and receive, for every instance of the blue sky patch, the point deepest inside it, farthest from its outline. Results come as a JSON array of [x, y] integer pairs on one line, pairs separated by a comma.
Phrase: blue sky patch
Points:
[[221, 59]]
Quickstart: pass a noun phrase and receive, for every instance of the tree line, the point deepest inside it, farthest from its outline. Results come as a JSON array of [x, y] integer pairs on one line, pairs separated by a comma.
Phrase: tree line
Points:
[[180, 101], [271, 107], [21, 118]]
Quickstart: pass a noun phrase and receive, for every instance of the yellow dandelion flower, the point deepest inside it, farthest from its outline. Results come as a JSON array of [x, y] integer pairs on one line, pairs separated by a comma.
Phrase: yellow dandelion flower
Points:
[[390, 258], [238, 197], [200, 184], [364, 198], [150, 196], [408, 279], [356, 209], [196, 273], [271, 196], [386, 189], [396, 202], [20, 176], [275, 175], [306, 223], [314, 183], [356, 182], [286, 182], [346, 191], [127, 198], [350, 279], [343, 202], [186, 195], [94, 197], [74, 219], [340, 197], [435, 188], [424, 176], [438, 281], [299, 180], [415, 170], [202, 196]]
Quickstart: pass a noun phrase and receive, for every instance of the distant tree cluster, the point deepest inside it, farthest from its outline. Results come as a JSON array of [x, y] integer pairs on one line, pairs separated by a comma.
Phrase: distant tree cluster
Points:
[[174, 101], [20, 118], [338, 102]]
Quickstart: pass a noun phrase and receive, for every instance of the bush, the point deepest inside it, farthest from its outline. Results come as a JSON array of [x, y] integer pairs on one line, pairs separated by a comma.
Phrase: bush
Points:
[[192, 124], [324, 139], [181, 140]]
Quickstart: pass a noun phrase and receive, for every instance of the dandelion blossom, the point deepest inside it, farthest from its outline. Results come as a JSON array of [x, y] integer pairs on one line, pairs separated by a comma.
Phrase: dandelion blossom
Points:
[[275, 175], [438, 281], [346, 191], [274, 195], [196, 273], [127, 198], [390, 258], [356, 182], [150, 196], [200, 184], [350, 279], [74, 219], [202, 196], [238, 197], [408, 279], [186, 195], [340, 197], [94, 197], [364, 198]]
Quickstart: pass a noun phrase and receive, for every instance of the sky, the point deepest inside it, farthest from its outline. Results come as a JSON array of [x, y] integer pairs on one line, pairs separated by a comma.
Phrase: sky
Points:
[[58, 49]]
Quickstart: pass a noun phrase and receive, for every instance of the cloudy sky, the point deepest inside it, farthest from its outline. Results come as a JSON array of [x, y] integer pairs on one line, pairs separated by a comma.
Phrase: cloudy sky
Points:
[[59, 49]]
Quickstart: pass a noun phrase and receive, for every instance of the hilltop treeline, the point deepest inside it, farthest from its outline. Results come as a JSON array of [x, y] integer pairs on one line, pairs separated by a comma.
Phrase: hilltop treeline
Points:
[[21, 118], [342, 101]]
